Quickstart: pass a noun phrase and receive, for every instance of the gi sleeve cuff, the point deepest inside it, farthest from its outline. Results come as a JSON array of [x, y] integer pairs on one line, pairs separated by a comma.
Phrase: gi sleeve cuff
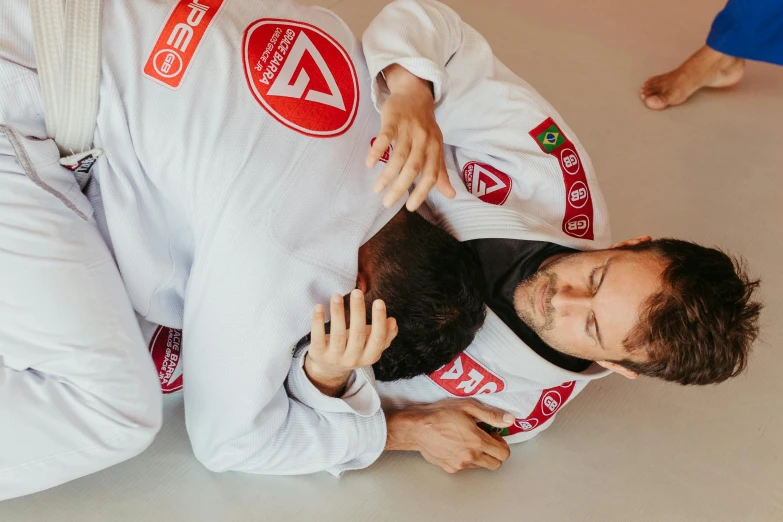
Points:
[[360, 397]]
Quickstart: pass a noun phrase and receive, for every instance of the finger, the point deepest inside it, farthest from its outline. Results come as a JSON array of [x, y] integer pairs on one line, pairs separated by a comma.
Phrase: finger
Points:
[[395, 163], [318, 330], [357, 335], [410, 171], [376, 343], [337, 333], [493, 416], [402, 149], [488, 462], [380, 146], [443, 184], [495, 447], [429, 176], [391, 331]]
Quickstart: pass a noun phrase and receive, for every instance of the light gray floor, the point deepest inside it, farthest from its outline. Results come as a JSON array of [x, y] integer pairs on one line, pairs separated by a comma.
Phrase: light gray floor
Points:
[[711, 171]]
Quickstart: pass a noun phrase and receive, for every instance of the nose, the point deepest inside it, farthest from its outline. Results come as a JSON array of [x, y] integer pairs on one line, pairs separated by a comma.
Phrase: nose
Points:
[[570, 300]]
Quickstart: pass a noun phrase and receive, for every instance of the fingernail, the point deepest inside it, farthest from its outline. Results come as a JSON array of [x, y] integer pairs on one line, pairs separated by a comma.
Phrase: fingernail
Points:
[[319, 308], [378, 305], [377, 189], [356, 294], [337, 298], [508, 418]]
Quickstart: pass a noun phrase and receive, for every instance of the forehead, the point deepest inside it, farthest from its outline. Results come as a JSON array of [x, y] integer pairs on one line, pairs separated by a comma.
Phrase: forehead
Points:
[[631, 279]]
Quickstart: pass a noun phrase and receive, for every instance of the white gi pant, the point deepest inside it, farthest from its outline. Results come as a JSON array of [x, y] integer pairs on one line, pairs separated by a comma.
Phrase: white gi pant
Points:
[[78, 391]]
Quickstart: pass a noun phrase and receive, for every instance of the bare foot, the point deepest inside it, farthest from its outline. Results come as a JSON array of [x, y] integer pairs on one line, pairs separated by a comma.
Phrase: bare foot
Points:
[[706, 68]]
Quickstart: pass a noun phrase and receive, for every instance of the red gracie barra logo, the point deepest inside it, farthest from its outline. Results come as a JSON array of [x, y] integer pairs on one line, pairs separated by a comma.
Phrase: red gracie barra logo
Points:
[[465, 377], [179, 40], [548, 404], [487, 183], [578, 219], [166, 351], [301, 76]]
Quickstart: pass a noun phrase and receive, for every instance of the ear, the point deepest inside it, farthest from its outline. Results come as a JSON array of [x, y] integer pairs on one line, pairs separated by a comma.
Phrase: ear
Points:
[[632, 242], [361, 282], [616, 368]]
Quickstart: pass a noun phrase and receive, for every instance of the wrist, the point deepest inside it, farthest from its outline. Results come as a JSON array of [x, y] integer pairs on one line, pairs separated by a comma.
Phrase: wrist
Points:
[[330, 382], [401, 431], [400, 80]]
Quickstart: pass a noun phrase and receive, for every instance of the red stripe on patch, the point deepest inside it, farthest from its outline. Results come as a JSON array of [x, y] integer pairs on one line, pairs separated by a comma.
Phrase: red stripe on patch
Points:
[[166, 351], [179, 40], [551, 400], [465, 377], [578, 219]]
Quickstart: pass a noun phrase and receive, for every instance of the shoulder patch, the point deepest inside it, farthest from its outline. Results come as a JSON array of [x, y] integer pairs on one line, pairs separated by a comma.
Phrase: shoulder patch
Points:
[[486, 182], [578, 218], [465, 377], [301, 76], [166, 351], [179, 40], [551, 400]]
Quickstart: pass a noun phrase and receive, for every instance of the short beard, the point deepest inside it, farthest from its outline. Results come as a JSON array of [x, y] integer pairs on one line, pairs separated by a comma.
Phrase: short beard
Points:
[[527, 314]]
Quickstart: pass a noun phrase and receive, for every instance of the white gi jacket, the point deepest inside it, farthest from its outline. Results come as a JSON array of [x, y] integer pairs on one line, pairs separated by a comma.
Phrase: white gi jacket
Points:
[[236, 198], [508, 186], [519, 172]]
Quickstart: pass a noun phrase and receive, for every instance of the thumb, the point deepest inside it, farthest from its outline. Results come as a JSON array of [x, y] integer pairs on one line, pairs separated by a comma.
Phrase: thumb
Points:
[[443, 184], [495, 417]]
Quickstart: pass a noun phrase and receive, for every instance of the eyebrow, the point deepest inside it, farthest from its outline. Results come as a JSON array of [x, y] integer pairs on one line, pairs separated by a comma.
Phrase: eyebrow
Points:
[[595, 320]]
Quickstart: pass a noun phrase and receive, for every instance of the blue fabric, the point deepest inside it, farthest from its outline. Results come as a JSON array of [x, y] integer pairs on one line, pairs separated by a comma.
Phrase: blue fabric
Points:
[[751, 29]]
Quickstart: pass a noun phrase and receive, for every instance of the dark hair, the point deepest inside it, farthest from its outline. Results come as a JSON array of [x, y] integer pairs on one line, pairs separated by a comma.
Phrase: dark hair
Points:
[[700, 328], [431, 284]]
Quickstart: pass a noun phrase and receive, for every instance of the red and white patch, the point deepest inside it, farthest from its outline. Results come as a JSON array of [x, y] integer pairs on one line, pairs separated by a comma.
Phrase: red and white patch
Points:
[[578, 226], [179, 40], [551, 400], [386, 155], [487, 183], [578, 218], [578, 195], [166, 351], [302, 76], [465, 377], [569, 160]]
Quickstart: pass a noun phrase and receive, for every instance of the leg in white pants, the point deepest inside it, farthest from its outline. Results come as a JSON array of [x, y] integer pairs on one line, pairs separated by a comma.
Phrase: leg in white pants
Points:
[[78, 390]]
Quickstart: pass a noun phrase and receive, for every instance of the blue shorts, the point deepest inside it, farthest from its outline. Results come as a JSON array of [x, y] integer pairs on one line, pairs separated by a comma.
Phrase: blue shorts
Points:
[[751, 29]]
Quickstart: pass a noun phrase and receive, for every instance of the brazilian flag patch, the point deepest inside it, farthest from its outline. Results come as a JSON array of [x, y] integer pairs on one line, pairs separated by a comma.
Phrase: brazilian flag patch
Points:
[[551, 138]]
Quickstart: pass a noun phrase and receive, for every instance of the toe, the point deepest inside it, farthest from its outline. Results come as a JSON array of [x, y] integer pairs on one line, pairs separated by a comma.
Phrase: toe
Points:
[[656, 102]]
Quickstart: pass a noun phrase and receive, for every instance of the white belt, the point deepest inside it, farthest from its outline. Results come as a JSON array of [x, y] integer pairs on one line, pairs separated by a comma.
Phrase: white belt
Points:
[[67, 49]]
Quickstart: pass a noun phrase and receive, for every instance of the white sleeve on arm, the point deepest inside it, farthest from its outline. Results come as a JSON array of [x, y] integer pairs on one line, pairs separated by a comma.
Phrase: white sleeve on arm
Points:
[[360, 396], [419, 35], [239, 332], [78, 391], [484, 110]]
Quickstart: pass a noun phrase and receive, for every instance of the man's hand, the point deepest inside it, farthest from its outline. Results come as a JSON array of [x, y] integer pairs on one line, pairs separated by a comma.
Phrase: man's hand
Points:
[[408, 120], [446, 434], [332, 358]]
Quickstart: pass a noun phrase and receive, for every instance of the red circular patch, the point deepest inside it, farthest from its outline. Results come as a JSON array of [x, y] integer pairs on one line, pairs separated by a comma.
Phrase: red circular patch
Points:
[[578, 194], [301, 76], [487, 183], [570, 160], [166, 351], [577, 226], [526, 424], [550, 403]]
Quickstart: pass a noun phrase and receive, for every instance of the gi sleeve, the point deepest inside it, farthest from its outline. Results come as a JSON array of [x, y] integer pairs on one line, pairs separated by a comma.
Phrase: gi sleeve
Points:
[[78, 391], [510, 148], [359, 398], [247, 304]]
